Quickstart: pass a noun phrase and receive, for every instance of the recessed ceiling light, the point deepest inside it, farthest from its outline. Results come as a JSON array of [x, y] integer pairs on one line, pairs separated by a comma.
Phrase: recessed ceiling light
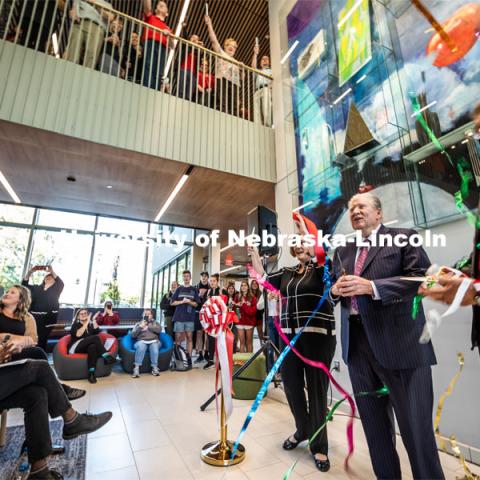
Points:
[[109, 186]]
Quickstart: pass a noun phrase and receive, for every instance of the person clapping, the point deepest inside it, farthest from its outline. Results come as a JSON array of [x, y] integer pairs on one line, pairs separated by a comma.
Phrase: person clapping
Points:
[[85, 339], [147, 336]]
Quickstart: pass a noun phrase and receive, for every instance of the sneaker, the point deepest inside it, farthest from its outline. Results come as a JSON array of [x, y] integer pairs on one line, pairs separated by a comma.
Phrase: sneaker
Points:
[[109, 360], [136, 372], [85, 423], [92, 378], [199, 359], [45, 474], [155, 371], [208, 365], [73, 393]]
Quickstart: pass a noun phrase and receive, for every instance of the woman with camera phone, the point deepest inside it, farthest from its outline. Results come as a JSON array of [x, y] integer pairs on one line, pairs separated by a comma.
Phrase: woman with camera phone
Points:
[[146, 334], [108, 316], [84, 339]]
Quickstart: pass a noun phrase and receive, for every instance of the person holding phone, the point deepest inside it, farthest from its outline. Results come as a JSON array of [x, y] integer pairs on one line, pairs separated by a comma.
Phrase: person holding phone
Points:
[[147, 336], [108, 316], [84, 339], [45, 301]]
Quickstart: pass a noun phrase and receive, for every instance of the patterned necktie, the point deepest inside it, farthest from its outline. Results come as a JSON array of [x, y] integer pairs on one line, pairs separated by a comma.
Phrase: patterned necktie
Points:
[[362, 256]]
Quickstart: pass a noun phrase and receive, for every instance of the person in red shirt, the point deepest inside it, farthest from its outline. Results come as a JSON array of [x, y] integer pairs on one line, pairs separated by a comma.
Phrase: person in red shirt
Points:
[[108, 316], [247, 304], [206, 84], [187, 79], [155, 43]]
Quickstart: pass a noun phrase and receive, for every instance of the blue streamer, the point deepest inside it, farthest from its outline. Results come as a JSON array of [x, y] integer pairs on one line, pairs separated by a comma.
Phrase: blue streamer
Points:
[[263, 389]]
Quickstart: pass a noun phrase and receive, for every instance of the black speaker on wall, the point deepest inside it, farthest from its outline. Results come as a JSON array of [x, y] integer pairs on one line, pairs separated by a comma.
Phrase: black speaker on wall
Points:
[[263, 219]]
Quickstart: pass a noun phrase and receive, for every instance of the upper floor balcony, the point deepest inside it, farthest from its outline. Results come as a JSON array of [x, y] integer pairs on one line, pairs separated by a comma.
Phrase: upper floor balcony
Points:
[[88, 71]]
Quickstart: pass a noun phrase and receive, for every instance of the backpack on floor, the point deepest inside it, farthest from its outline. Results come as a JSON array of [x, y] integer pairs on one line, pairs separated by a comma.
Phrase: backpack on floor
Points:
[[180, 359]]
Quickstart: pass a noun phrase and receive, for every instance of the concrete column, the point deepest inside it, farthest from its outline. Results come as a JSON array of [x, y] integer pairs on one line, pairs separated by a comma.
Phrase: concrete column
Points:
[[214, 259]]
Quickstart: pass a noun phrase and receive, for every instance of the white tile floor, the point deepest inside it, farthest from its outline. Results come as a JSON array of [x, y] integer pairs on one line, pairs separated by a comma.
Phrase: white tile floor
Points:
[[157, 432]]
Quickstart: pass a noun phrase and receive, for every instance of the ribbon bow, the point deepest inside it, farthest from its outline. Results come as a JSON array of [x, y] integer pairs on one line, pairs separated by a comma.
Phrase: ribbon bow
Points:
[[215, 319]]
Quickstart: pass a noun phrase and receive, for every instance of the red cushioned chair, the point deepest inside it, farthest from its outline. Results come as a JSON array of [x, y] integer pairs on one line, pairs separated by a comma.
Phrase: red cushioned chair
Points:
[[74, 367]]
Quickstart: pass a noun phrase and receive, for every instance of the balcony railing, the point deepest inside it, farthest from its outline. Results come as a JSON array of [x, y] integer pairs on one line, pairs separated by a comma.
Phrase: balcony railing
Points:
[[105, 40]]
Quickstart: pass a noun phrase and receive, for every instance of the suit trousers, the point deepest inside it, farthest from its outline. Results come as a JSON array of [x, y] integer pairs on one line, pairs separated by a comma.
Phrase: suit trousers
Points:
[[296, 375], [411, 397]]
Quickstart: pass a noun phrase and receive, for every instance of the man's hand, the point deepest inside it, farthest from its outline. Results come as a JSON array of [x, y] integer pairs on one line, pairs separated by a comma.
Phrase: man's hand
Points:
[[446, 289], [351, 285], [256, 50], [208, 21], [73, 14]]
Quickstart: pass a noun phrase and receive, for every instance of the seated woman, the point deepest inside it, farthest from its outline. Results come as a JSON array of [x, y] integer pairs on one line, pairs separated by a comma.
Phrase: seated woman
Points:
[[21, 327], [85, 339], [108, 316], [33, 387], [147, 336]]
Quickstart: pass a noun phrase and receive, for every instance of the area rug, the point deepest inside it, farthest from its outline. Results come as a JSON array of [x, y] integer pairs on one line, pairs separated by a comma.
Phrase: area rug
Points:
[[71, 464]]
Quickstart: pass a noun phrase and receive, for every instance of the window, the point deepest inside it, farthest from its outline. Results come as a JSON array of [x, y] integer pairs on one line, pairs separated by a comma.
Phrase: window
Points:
[[69, 254], [117, 271], [122, 227], [67, 220], [173, 272], [16, 214], [12, 254]]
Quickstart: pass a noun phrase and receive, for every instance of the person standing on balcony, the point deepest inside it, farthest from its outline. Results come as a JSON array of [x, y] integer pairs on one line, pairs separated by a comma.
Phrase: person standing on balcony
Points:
[[45, 301], [133, 59], [111, 59], [205, 85], [36, 26], [155, 43], [89, 26], [227, 73], [262, 99], [187, 81]]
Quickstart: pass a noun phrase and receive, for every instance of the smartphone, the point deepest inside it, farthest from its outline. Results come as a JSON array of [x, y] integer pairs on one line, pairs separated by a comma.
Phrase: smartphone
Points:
[[5, 340], [145, 318]]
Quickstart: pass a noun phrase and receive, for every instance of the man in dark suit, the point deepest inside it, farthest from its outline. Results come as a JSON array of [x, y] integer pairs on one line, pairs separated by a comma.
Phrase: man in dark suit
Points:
[[380, 342]]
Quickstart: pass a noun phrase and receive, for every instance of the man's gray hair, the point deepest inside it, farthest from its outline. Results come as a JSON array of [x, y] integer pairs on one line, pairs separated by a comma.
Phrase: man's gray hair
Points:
[[373, 198]]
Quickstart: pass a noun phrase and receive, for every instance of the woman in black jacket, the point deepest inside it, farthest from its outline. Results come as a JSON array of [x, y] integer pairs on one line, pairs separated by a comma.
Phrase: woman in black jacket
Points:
[[84, 339], [301, 288]]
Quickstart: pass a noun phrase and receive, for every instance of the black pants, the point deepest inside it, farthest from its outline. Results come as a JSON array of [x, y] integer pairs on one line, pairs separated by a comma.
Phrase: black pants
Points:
[[33, 353], [411, 396], [228, 96], [295, 373], [43, 332], [94, 349], [211, 347], [34, 387]]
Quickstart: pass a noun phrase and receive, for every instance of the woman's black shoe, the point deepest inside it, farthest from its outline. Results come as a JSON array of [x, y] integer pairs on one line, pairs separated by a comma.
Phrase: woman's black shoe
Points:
[[92, 378], [322, 465], [289, 445]]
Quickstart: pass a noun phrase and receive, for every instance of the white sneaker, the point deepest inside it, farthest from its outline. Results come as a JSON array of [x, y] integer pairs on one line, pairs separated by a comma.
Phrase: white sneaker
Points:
[[155, 371], [136, 372]]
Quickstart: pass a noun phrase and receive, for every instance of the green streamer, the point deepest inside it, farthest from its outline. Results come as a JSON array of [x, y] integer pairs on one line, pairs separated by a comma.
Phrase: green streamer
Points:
[[382, 391], [417, 301]]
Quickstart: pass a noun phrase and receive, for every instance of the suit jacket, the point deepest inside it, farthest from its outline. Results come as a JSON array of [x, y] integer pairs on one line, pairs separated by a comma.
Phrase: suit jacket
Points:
[[392, 333]]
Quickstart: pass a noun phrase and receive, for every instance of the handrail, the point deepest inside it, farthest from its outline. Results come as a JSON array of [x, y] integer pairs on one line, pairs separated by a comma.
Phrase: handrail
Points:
[[183, 40]]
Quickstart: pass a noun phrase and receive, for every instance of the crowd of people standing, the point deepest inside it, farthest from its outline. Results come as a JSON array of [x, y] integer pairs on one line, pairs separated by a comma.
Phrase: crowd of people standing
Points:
[[98, 37]]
